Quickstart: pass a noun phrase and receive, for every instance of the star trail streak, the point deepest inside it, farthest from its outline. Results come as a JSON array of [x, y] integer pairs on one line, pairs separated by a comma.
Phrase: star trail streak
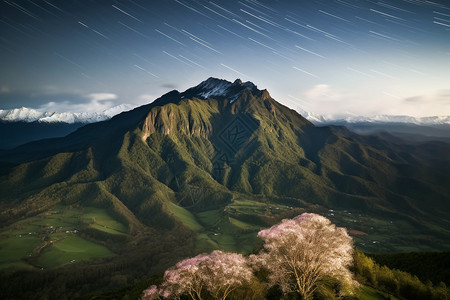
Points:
[[364, 51], [124, 12]]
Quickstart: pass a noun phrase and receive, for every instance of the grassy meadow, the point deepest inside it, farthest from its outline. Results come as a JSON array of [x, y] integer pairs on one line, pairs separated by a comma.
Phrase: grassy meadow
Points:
[[66, 234], [55, 238], [235, 227]]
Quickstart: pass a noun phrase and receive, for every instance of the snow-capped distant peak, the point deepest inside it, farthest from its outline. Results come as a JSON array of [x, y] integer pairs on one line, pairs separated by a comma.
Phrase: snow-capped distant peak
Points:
[[25, 114], [434, 120], [111, 112], [378, 119]]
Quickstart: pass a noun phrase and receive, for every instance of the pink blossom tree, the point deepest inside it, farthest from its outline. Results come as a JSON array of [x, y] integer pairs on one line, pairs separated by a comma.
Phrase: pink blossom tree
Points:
[[227, 272], [301, 252], [218, 274], [152, 293]]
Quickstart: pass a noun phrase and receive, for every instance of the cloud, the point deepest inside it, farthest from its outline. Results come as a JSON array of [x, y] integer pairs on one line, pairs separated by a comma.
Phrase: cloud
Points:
[[326, 100], [97, 102], [413, 99], [438, 97], [323, 92], [169, 86], [95, 97], [144, 99], [436, 103], [4, 90]]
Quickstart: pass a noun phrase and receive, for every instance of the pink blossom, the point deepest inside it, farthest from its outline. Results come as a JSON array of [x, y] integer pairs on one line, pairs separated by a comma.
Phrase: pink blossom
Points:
[[151, 293], [217, 273], [299, 252]]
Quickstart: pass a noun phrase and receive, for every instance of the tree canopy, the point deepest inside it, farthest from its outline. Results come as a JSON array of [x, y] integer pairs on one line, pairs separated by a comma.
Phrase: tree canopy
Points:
[[298, 255], [301, 252], [216, 274]]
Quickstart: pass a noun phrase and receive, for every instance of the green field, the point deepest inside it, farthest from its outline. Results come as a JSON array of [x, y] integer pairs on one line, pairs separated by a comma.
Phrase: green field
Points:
[[101, 220], [70, 250], [55, 238], [13, 248], [233, 228], [384, 234], [58, 236], [185, 216], [52, 238]]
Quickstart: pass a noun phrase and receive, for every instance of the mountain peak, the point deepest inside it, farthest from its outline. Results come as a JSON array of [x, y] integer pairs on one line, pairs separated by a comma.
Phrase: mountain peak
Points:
[[214, 87]]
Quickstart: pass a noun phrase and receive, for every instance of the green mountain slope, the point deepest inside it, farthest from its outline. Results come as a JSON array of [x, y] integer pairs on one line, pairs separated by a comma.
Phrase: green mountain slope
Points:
[[205, 169]]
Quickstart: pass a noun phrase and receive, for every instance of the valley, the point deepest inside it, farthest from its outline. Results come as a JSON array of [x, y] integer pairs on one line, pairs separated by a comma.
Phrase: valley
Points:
[[65, 235], [52, 239], [117, 201]]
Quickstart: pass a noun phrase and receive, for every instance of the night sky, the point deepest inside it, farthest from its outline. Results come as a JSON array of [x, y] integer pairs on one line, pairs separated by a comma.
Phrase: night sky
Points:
[[329, 57]]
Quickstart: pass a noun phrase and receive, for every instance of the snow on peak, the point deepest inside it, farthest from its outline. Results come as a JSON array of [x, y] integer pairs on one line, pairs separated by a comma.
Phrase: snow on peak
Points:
[[378, 119], [434, 120], [25, 114], [111, 112], [214, 87]]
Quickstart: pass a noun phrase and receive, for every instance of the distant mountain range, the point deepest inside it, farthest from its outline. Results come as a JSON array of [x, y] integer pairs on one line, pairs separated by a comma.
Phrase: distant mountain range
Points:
[[200, 170], [409, 128], [25, 114], [378, 119], [21, 125]]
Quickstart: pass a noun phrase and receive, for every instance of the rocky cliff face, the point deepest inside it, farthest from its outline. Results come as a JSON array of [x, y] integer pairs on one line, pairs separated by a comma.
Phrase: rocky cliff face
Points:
[[173, 119], [192, 112]]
